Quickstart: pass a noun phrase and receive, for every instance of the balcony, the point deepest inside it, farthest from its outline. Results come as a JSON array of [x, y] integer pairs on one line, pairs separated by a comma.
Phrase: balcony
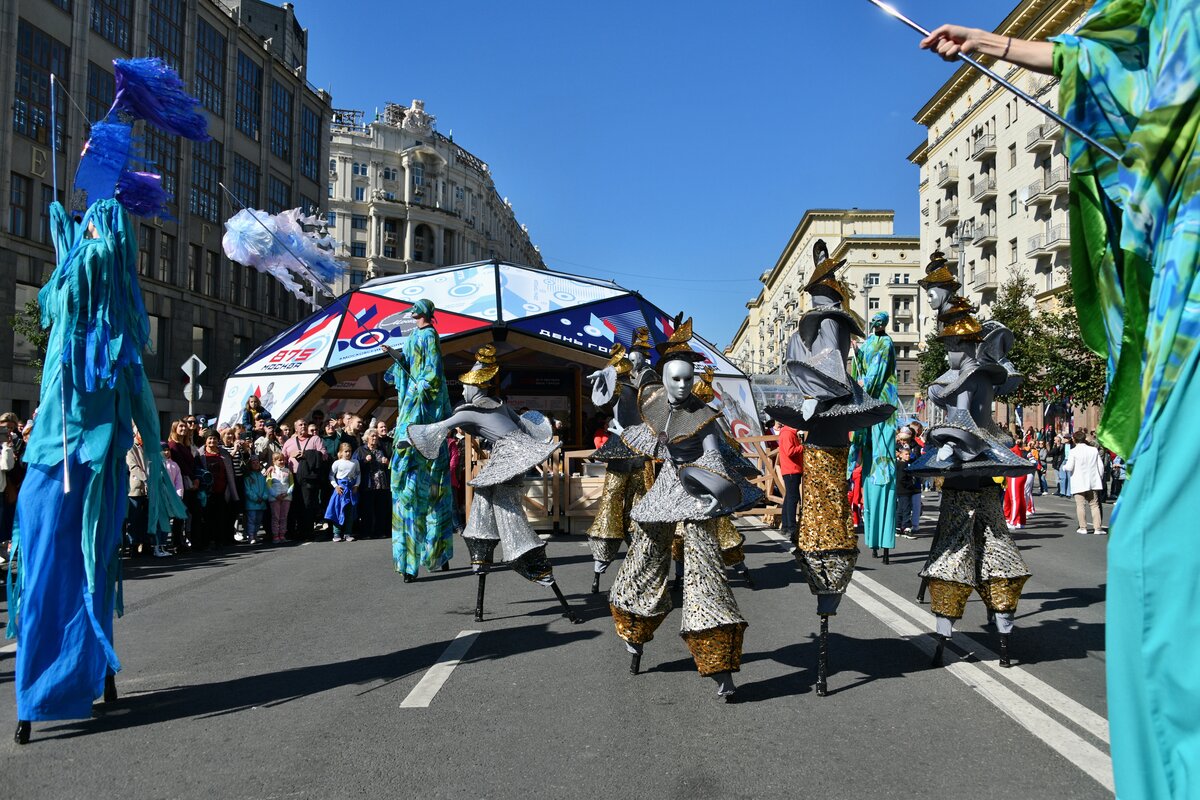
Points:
[[1042, 138], [1038, 196], [1034, 245], [1057, 182], [984, 147], [948, 214], [985, 279], [1057, 239], [903, 313], [983, 188], [984, 234], [947, 176]]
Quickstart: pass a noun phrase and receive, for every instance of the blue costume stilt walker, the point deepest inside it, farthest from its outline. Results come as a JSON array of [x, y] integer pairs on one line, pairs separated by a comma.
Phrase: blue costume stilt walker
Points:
[[875, 368]]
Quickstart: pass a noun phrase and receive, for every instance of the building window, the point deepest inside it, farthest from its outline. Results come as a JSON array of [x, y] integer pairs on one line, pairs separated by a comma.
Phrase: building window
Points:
[[111, 19], [358, 222], [332, 166], [310, 142], [309, 206], [162, 156], [212, 275], [200, 341], [164, 38], [145, 250], [193, 267], [418, 175], [1012, 156], [357, 277], [207, 158], [166, 258], [251, 295], [210, 68], [358, 170], [905, 375], [245, 183], [330, 192], [281, 121], [37, 56], [1012, 204], [19, 200], [872, 303], [358, 249], [360, 194], [101, 89], [872, 279], [390, 174], [279, 195], [154, 358], [48, 197], [389, 251], [1012, 251], [330, 219], [247, 112]]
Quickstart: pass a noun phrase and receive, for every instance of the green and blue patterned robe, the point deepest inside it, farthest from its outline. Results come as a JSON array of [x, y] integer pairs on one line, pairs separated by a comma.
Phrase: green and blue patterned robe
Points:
[[422, 505], [1131, 78], [875, 368]]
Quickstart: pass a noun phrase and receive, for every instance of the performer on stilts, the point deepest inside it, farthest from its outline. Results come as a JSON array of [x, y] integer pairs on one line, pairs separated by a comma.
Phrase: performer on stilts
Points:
[[972, 547], [64, 583], [626, 480], [497, 514], [696, 486], [422, 503], [875, 447], [834, 406]]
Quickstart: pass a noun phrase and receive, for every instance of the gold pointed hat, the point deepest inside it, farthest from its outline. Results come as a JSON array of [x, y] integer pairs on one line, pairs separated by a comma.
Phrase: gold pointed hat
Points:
[[938, 274], [485, 368], [641, 339], [958, 319], [955, 307], [618, 361], [825, 271], [676, 348], [704, 388]]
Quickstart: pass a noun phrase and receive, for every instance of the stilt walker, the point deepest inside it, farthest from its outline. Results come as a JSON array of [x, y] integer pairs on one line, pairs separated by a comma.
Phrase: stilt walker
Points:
[[875, 447], [497, 514], [972, 547], [64, 583], [834, 406], [696, 486], [625, 479]]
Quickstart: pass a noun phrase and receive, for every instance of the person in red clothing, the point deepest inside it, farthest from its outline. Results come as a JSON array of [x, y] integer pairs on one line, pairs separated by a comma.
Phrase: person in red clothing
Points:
[[791, 467]]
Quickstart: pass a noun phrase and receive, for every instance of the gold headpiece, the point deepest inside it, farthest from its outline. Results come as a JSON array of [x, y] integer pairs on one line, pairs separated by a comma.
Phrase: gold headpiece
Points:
[[964, 326], [938, 274], [676, 348], [641, 339], [618, 361], [956, 307], [703, 388], [824, 271], [485, 368]]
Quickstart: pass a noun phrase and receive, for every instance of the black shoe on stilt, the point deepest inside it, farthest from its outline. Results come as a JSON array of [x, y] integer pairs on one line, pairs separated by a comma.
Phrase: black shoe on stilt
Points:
[[479, 596], [746, 576], [567, 612], [1004, 660], [938, 654], [635, 663], [110, 688], [23, 728], [921, 591], [410, 578], [886, 553], [446, 567], [874, 552], [823, 657], [595, 583]]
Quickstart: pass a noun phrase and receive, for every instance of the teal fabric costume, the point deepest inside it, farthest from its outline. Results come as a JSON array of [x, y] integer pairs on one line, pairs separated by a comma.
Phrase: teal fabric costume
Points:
[[1130, 78], [422, 506], [66, 584], [875, 368]]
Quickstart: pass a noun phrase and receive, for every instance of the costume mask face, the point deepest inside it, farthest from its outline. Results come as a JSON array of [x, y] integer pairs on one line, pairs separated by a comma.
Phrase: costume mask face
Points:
[[637, 358], [678, 378], [471, 393], [937, 296]]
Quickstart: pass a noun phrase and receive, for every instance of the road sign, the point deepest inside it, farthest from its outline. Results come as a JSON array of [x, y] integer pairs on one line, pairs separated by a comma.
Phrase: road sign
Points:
[[193, 367], [193, 392]]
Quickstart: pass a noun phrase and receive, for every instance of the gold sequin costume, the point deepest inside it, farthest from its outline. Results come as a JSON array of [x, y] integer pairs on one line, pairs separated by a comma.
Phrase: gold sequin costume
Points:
[[827, 542]]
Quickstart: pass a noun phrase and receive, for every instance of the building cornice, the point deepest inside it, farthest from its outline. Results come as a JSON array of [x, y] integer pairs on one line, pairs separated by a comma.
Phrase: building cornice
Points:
[[806, 221]]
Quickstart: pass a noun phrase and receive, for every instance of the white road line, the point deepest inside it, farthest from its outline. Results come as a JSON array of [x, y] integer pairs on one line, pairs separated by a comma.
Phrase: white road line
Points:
[[423, 693], [1096, 763], [1056, 701], [1062, 740], [9, 648]]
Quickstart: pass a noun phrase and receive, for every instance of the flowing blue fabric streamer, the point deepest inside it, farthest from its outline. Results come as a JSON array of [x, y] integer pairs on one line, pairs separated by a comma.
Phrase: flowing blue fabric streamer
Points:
[[146, 88]]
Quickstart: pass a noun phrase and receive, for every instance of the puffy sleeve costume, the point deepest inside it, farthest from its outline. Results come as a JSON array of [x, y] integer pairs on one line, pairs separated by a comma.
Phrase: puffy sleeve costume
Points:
[[422, 502], [1129, 78]]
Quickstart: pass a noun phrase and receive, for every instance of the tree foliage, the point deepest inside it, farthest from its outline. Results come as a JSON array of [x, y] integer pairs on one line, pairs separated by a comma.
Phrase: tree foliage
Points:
[[1011, 309], [932, 360], [27, 324]]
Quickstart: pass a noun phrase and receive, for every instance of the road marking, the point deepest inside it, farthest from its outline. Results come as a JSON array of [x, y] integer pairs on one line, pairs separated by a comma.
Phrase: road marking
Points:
[[423, 693], [9, 648], [1089, 758]]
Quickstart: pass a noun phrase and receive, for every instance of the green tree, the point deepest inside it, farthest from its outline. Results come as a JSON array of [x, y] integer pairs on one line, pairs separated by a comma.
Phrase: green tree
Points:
[[1068, 368], [932, 360], [27, 324], [1012, 310]]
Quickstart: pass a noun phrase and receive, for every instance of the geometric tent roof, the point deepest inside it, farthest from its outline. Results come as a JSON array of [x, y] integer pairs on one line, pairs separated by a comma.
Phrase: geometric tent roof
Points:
[[573, 312]]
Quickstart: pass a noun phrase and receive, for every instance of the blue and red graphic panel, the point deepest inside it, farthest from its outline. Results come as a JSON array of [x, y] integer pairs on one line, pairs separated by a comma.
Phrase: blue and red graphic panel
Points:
[[371, 320], [301, 348], [594, 327]]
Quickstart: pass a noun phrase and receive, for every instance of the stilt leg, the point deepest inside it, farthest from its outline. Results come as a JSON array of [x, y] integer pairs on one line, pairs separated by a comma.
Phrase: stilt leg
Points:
[[595, 583], [939, 652], [567, 612], [746, 575], [1004, 662], [921, 591], [823, 657], [635, 663], [110, 688], [874, 552], [886, 553], [23, 729], [479, 597]]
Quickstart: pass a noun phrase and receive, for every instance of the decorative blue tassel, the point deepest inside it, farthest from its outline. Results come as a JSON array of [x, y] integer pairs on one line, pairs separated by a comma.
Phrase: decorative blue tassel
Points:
[[149, 89], [143, 195]]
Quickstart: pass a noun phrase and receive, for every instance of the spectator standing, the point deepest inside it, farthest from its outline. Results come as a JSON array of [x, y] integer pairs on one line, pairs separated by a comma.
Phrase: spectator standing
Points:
[[375, 494], [1086, 471], [791, 468], [139, 503], [256, 499], [279, 496], [342, 509], [12, 471], [351, 432], [386, 443], [222, 495], [179, 441], [177, 523], [907, 486], [267, 445], [1118, 476]]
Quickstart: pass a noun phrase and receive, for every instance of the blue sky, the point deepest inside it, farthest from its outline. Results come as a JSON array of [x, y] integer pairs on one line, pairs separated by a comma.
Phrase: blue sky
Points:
[[669, 146]]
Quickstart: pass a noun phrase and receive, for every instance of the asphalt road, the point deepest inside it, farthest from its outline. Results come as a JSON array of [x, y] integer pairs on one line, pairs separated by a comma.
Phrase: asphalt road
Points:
[[280, 673]]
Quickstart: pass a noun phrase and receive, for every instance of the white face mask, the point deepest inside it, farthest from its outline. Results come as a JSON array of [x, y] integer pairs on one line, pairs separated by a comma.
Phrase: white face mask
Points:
[[678, 378]]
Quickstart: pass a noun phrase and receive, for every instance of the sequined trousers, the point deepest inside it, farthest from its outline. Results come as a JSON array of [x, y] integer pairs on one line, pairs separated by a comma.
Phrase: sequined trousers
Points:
[[640, 600], [827, 542], [612, 524], [972, 549], [497, 517]]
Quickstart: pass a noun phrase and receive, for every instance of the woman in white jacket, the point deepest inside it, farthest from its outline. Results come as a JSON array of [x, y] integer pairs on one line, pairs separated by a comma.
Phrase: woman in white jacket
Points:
[[1086, 469]]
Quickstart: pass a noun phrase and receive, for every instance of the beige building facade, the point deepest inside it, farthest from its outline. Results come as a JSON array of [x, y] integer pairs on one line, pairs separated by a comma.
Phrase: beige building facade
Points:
[[882, 271], [404, 198], [993, 177], [245, 61]]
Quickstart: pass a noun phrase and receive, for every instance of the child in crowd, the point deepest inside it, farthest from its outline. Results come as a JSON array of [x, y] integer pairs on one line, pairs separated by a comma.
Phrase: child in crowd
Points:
[[256, 498], [177, 523], [342, 508], [279, 495]]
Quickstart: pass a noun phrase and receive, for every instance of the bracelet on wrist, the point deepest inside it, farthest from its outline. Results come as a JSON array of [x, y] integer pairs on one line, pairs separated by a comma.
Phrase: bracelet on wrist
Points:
[[1007, 45]]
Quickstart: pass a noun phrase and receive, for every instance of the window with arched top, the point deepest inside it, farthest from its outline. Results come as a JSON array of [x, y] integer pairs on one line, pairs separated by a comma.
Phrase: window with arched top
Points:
[[423, 243]]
